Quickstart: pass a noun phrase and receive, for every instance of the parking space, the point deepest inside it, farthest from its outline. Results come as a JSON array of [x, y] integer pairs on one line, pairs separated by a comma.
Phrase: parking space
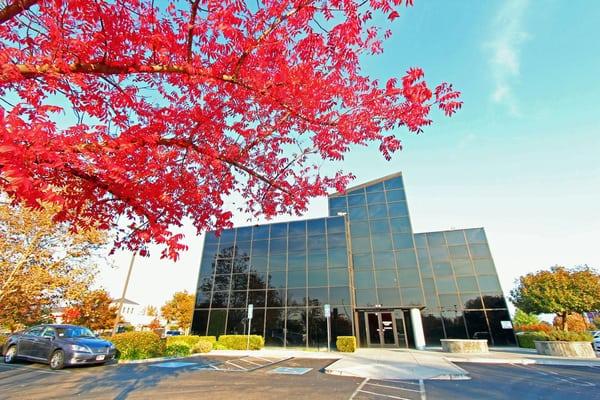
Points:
[[374, 389]]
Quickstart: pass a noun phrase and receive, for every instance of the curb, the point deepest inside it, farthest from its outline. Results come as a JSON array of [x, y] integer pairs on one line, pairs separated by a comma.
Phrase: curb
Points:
[[167, 358], [525, 361]]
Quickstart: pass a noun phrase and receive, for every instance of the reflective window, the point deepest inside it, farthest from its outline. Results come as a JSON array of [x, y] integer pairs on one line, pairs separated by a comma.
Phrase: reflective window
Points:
[[261, 232], [445, 285], [220, 299], [459, 252], [338, 257], [471, 300], [467, 284], [400, 225], [316, 243], [274, 327], [257, 298], [240, 281], [378, 211], [317, 260], [279, 245], [409, 278], [216, 323], [227, 235], [403, 241], [384, 260], [436, 239], [364, 279], [380, 226], [275, 298], [406, 259], [439, 253], [297, 244], [296, 279], [260, 248], [462, 267], [475, 235], [277, 279], [412, 296], [202, 299], [361, 245], [361, 261], [318, 296], [338, 277], [375, 198], [366, 298], [493, 300], [484, 266], [278, 230], [394, 183], [339, 295], [395, 196], [376, 187], [356, 200], [297, 228], [389, 297], [489, 283], [335, 240], [337, 202], [336, 225], [210, 238], [381, 242], [480, 251], [398, 209], [296, 297], [449, 301], [296, 327], [297, 261], [277, 262], [357, 213], [317, 277], [386, 279], [455, 237], [315, 226], [244, 234], [360, 228], [259, 264], [237, 299]]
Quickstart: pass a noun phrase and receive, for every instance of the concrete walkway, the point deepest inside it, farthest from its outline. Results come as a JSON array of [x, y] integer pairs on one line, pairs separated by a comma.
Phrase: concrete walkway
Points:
[[396, 364], [410, 364]]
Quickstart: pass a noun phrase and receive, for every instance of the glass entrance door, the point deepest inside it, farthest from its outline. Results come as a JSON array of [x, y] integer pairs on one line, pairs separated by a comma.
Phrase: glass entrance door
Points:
[[381, 329]]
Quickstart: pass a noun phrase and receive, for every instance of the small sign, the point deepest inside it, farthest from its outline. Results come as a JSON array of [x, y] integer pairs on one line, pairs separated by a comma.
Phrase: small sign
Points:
[[250, 310], [506, 324], [327, 309]]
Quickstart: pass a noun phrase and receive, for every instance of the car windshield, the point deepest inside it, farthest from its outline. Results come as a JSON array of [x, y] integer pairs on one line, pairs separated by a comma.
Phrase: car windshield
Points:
[[75, 332]]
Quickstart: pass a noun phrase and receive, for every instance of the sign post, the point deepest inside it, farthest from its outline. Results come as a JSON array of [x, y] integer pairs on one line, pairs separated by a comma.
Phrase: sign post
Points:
[[250, 310], [327, 311]]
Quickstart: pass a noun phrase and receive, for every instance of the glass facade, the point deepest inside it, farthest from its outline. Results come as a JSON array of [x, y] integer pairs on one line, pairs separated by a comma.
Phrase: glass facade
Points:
[[361, 259]]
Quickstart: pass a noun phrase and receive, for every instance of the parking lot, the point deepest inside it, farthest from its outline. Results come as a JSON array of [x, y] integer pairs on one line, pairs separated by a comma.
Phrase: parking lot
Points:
[[287, 378]]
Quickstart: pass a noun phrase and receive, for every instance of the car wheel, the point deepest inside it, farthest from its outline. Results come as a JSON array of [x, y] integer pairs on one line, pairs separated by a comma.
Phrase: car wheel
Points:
[[57, 360], [10, 355]]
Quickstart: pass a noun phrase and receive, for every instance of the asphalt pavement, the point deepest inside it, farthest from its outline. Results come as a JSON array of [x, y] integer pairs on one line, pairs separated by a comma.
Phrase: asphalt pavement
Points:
[[288, 378]]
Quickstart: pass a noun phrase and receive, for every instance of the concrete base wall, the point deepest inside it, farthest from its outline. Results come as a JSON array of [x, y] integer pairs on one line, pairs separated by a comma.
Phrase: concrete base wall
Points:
[[565, 349], [464, 345]]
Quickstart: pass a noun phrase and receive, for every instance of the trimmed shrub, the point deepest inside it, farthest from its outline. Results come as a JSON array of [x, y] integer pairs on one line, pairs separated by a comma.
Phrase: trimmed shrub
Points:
[[568, 336], [527, 339], [190, 340], [138, 345], [212, 339], [240, 342], [203, 346], [219, 346], [178, 349], [346, 344]]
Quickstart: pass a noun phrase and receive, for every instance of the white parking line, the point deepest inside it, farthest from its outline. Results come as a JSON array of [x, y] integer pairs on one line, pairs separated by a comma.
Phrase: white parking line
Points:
[[557, 376], [422, 387], [385, 395], [394, 387], [359, 388], [399, 396]]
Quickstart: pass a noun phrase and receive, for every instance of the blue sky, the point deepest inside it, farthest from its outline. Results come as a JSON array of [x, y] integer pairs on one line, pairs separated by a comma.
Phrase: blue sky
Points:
[[522, 158]]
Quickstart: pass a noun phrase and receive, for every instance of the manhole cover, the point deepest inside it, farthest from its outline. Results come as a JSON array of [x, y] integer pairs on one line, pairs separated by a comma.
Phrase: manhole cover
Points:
[[290, 371], [173, 364]]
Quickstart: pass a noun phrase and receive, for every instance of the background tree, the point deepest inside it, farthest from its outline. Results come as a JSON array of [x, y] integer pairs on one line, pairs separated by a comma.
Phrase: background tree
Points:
[[174, 106], [42, 264], [179, 309], [560, 291], [151, 311], [523, 318], [95, 311], [575, 321]]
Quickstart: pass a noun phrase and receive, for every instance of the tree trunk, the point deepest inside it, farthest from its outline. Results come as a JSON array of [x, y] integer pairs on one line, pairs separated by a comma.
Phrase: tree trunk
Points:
[[565, 324]]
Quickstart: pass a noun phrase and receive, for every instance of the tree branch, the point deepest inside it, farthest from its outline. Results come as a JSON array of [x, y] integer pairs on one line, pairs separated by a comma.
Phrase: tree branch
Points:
[[190, 37], [15, 8]]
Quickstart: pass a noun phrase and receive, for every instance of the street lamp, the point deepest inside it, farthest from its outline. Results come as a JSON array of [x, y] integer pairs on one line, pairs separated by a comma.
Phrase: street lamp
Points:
[[351, 275]]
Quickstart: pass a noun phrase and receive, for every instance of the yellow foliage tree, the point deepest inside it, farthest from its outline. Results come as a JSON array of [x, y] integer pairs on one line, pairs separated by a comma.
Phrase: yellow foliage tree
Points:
[[42, 263], [180, 309]]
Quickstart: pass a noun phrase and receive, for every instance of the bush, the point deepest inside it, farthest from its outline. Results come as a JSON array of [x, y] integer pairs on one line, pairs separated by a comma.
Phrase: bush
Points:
[[568, 336], [346, 344], [541, 327], [527, 339], [178, 349], [190, 340], [240, 342], [575, 322], [212, 339], [138, 345], [203, 346], [219, 346]]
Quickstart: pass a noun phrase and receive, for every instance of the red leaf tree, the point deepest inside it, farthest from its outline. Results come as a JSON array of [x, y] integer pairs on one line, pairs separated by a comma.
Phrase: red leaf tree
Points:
[[157, 111]]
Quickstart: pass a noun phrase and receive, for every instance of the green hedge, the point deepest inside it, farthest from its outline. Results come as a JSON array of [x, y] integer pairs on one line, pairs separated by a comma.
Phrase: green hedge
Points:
[[346, 344], [178, 349], [212, 339], [240, 342], [568, 336], [190, 340], [526, 339], [203, 346], [138, 345]]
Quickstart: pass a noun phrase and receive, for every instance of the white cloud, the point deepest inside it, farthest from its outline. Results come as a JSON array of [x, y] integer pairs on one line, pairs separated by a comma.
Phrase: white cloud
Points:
[[507, 37]]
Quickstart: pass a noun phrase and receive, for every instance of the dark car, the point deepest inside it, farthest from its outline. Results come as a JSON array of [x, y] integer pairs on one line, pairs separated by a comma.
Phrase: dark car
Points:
[[58, 345]]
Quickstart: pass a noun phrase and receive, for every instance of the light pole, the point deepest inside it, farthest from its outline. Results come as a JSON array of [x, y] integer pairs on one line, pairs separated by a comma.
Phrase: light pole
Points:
[[354, 320], [118, 317]]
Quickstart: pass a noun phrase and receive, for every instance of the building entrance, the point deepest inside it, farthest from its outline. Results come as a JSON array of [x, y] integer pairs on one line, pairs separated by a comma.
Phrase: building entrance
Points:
[[385, 329]]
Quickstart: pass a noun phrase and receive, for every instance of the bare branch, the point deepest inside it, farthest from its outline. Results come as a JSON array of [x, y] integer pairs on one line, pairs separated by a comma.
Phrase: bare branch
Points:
[[15, 8]]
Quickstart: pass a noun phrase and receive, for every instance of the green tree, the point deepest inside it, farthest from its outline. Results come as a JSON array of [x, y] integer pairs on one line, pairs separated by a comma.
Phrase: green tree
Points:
[[523, 318], [179, 309], [560, 290]]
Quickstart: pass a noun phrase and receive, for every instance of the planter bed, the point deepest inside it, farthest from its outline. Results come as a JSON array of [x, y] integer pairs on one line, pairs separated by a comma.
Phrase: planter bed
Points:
[[565, 349], [464, 345]]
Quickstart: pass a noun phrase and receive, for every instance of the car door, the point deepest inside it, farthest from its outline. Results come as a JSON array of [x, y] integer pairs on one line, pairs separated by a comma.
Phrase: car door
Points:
[[43, 344], [26, 342]]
